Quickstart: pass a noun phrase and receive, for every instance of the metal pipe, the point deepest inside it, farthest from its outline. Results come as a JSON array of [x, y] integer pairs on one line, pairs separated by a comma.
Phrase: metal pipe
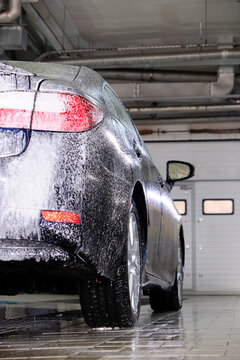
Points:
[[76, 52], [158, 76], [13, 12], [141, 102], [162, 92], [199, 120], [180, 59], [206, 130], [177, 110]]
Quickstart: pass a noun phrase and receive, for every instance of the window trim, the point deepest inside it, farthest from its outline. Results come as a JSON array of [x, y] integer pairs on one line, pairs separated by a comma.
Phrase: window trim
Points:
[[185, 201], [218, 199]]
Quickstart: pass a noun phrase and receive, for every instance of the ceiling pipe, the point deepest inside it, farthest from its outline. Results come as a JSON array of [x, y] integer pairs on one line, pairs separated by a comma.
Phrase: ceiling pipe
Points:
[[80, 52], [194, 101], [157, 76], [206, 130], [13, 12], [164, 92], [185, 120], [182, 58], [186, 110]]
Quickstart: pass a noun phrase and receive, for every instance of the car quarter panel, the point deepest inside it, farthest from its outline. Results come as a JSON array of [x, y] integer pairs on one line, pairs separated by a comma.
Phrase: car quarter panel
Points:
[[109, 175], [109, 186]]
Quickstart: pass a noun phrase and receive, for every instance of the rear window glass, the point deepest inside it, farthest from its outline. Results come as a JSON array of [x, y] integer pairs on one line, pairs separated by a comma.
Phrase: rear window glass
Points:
[[218, 206]]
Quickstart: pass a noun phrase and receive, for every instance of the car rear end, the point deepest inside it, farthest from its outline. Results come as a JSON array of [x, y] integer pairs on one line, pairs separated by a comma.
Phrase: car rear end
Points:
[[42, 169]]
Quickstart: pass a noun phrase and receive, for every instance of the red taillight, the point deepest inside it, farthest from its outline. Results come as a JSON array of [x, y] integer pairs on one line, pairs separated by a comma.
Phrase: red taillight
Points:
[[14, 118], [64, 112], [52, 112], [60, 216]]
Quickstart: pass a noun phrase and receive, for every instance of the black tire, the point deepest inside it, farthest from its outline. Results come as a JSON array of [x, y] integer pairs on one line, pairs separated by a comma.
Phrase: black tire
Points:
[[158, 299], [117, 303], [171, 299]]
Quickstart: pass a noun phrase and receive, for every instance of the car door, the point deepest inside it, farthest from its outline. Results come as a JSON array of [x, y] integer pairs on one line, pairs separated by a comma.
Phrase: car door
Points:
[[161, 248], [169, 236]]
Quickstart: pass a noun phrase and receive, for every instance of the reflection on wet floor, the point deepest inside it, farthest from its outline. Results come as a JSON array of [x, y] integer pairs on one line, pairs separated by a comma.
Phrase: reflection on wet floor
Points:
[[208, 327], [22, 306]]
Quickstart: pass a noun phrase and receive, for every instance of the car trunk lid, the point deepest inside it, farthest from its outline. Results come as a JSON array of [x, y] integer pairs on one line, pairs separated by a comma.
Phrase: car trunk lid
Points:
[[16, 108]]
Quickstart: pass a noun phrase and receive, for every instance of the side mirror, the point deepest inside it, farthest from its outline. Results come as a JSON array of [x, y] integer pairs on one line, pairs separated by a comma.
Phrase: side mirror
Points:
[[178, 171]]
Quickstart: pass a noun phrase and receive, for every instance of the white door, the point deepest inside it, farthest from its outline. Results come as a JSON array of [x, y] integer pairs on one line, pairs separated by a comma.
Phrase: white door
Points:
[[218, 236], [182, 196]]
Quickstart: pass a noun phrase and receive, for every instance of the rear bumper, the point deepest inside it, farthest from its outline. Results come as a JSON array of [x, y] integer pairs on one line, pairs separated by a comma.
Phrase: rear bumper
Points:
[[44, 256], [20, 250], [34, 266]]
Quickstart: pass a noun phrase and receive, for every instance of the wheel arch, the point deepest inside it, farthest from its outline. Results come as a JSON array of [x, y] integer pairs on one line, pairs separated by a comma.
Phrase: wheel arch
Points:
[[182, 242], [139, 199]]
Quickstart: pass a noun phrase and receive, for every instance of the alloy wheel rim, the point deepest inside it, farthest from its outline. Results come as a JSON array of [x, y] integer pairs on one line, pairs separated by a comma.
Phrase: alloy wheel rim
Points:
[[134, 265]]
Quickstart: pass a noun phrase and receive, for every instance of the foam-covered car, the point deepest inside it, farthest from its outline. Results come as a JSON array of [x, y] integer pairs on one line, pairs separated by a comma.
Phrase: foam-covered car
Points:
[[82, 206]]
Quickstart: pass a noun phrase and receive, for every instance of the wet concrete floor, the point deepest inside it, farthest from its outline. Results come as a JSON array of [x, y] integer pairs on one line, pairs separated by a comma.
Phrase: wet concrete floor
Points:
[[45, 327]]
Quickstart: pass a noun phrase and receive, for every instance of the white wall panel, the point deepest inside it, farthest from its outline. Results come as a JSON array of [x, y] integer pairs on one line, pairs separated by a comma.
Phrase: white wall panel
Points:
[[213, 264], [217, 240], [213, 160]]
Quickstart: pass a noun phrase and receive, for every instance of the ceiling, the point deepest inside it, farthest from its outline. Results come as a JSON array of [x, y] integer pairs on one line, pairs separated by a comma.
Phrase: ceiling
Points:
[[113, 23], [171, 61]]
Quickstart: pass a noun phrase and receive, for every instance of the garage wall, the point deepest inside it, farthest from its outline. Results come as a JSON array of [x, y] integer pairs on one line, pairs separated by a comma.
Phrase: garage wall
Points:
[[212, 240], [213, 160]]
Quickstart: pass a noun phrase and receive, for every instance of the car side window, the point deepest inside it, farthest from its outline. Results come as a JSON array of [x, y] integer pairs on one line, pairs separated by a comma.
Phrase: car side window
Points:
[[119, 108], [108, 97], [112, 101]]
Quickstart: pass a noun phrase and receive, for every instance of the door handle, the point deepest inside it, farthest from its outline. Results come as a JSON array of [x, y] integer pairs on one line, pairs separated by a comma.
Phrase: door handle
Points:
[[137, 149], [160, 181]]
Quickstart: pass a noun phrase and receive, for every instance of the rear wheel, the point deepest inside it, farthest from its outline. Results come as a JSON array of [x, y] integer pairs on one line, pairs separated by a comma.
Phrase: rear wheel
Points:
[[117, 303], [162, 300]]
